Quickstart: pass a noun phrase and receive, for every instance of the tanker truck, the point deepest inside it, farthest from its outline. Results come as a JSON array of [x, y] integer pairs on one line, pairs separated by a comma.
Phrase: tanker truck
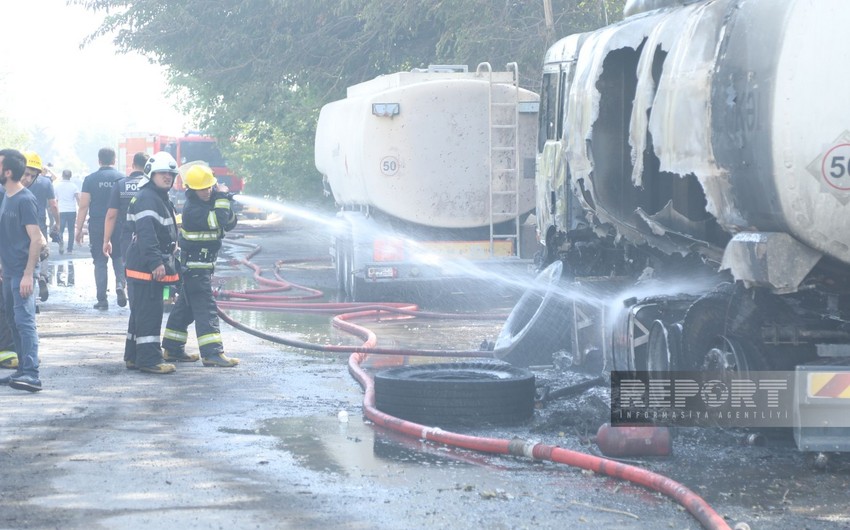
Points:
[[692, 190], [433, 173]]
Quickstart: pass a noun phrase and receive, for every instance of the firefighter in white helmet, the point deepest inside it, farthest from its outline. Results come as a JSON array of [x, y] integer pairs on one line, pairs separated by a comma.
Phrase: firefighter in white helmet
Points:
[[207, 215], [151, 263]]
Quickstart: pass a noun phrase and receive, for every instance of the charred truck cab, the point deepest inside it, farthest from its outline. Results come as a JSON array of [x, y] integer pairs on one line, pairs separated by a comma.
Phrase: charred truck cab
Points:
[[699, 153]]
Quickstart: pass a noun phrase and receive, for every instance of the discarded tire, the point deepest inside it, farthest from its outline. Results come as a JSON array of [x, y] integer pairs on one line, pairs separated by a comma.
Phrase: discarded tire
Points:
[[468, 393], [539, 324]]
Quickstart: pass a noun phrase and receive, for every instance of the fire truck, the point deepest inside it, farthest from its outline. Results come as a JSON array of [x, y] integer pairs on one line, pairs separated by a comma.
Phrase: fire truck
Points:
[[192, 147]]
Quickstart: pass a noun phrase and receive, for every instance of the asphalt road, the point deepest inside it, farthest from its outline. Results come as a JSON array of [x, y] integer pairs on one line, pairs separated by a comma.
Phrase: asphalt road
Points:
[[261, 445]]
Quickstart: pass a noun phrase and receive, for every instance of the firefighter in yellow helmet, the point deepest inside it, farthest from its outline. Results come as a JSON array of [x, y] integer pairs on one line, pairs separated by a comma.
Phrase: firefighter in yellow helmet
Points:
[[45, 200], [207, 215]]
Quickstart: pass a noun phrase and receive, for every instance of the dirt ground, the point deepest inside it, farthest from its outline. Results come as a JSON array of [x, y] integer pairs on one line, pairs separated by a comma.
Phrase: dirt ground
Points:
[[261, 445]]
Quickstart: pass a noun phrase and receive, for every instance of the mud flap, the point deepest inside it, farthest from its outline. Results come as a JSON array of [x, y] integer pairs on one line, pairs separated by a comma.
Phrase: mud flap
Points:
[[822, 407]]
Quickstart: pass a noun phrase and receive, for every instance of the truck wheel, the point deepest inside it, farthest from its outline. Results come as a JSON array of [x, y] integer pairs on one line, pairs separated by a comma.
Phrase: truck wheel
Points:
[[348, 274], [339, 267], [538, 325], [355, 287], [359, 291], [664, 347], [468, 393], [711, 342]]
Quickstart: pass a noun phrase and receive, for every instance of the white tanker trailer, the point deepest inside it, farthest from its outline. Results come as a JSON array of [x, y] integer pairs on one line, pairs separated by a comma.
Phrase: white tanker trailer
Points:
[[700, 139], [432, 170]]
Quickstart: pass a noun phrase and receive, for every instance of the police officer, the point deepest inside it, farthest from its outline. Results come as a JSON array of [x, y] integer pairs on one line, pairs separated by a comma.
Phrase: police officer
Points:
[[207, 215], [151, 264], [116, 214], [93, 202]]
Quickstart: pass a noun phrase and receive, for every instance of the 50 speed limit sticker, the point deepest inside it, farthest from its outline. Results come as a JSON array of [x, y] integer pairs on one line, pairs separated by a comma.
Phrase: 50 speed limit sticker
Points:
[[832, 168], [835, 167], [389, 166]]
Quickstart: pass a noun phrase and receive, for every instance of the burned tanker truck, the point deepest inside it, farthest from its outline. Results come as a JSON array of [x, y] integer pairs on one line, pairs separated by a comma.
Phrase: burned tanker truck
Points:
[[693, 181]]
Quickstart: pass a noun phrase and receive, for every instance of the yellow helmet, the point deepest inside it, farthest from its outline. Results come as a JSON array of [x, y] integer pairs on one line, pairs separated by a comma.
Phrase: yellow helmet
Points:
[[33, 160], [199, 178]]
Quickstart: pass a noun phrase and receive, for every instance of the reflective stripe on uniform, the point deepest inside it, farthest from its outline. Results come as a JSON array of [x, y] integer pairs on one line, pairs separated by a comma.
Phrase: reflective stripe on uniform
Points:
[[210, 338], [147, 340], [148, 277], [165, 221], [212, 220], [177, 336], [204, 235], [131, 337], [222, 204], [199, 265]]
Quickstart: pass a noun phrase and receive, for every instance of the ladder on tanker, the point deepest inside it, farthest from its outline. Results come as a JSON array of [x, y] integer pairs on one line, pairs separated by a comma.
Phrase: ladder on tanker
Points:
[[503, 162]]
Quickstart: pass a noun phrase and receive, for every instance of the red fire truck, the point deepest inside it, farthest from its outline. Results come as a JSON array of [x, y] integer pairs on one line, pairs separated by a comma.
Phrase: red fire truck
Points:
[[192, 147]]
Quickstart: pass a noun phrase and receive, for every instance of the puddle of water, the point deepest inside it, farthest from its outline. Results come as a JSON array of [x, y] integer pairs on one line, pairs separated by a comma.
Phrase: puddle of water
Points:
[[354, 448], [407, 333], [73, 276]]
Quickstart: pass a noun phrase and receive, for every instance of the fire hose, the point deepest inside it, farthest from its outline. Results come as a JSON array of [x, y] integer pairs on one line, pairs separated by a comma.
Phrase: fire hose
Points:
[[264, 300]]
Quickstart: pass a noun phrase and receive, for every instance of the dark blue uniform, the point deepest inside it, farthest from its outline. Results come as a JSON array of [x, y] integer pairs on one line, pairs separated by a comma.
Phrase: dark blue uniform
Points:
[[204, 225], [123, 191], [99, 186], [150, 216]]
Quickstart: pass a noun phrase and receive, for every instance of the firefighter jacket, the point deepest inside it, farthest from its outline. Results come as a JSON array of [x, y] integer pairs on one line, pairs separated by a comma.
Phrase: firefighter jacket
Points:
[[150, 217], [203, 228]]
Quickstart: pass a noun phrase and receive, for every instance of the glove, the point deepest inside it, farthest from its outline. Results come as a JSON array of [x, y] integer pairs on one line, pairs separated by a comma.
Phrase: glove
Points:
[[225, 195], [55, 237]]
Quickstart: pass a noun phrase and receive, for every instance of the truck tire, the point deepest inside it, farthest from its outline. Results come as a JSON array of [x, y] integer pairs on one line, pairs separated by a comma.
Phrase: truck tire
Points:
[[664, 348], [712, 340], [340, 268], [465, 393], [538, 325], [357, 289]]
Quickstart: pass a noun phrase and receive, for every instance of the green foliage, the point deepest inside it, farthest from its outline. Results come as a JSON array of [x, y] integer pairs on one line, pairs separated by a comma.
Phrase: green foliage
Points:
[[257, 71], [11, 136]]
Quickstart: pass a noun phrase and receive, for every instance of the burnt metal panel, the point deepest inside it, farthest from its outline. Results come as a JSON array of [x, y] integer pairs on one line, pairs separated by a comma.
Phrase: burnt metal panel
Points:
[[742, 99], [775, 260]]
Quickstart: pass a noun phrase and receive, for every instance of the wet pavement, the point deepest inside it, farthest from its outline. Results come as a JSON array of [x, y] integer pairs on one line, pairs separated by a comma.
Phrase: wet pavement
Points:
[[263, 445]]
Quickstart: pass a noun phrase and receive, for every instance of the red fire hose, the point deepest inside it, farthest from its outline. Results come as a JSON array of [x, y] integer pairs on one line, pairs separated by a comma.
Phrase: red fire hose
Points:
[[263, 300]]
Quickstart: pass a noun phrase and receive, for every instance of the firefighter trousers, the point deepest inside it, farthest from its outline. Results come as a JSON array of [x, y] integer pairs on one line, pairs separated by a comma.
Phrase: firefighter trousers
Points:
[[195, 303], [146, 308]]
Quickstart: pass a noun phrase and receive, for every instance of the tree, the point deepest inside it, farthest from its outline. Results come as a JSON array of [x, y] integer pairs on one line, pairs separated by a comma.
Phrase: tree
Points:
[[12, 136], [257, 71]]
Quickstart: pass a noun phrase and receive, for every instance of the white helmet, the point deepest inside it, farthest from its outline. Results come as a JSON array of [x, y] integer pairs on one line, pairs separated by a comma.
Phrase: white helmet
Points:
[[161, 161]]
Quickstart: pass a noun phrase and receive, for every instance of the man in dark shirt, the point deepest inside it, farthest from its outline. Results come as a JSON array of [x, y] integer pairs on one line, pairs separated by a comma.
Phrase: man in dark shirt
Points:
[[115, 226], [116, 213], [94, 199], [21, 243]]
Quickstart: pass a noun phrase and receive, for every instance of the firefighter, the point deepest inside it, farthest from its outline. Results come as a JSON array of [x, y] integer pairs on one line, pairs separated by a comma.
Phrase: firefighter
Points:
[[45, 199], [151, 264], [207, 215]]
